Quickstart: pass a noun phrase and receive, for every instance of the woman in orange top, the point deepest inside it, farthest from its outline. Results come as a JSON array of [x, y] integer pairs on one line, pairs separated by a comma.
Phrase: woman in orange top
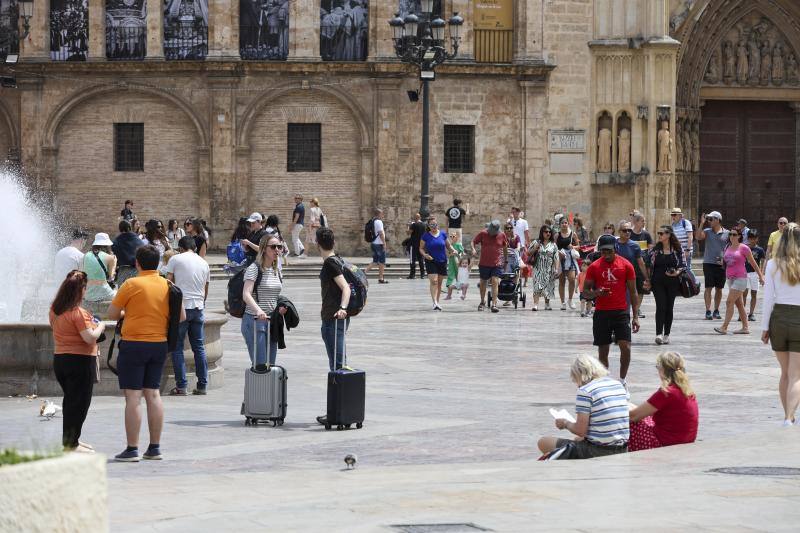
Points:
[[75, 333]]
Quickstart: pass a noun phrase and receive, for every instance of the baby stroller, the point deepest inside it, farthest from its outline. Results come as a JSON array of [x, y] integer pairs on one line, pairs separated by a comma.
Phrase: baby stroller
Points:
[[510, 288]]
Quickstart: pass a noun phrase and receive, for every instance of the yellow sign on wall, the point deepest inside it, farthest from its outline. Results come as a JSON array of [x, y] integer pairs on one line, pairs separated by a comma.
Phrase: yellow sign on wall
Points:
[[494, 14]]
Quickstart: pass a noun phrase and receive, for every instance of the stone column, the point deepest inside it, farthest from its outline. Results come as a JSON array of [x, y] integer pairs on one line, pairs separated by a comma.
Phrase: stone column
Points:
[[796, 108], [155, 30], [36, 47], [528, 30], [223, 30], [466, 50], [381, 46], [304, 30], [97, 30]]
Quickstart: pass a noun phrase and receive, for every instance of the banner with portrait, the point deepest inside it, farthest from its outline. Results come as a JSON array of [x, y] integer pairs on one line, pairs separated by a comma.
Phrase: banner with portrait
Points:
[[185, 29], [264, 29], [126, 29], [69, 30], [344, 30]]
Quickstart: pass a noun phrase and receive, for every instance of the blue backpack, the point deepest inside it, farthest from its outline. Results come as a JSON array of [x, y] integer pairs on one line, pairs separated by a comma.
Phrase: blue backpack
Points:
[[236, 252]]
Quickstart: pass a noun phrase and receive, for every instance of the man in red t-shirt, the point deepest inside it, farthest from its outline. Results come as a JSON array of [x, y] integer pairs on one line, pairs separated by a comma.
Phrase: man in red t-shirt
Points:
[[494, 253], [606, 281]]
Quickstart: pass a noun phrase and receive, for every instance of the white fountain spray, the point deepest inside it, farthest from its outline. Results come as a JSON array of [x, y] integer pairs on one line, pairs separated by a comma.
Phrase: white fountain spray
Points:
[[26, 253]]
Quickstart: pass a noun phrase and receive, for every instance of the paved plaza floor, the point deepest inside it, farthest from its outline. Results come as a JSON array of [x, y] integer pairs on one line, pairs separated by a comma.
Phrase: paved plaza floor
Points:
[[455, 403]]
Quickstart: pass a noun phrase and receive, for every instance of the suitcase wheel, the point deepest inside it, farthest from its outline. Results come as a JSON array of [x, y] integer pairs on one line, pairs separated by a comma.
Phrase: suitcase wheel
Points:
[[339, 427], [280, 422], [274, 423], [327, 427], [348, 426], [247, 421], [359, 425]]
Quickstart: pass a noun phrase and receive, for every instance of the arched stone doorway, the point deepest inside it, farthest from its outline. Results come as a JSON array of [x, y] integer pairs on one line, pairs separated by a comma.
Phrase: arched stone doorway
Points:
[[738, 83], [337, 184]]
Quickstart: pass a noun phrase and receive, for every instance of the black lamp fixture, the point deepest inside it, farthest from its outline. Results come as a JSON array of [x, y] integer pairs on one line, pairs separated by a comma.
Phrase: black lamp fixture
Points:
[[421, 41]]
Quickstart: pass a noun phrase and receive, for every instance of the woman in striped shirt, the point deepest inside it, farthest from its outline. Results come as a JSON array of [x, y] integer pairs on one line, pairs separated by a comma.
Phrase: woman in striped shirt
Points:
[[601, 410], [261, 300]]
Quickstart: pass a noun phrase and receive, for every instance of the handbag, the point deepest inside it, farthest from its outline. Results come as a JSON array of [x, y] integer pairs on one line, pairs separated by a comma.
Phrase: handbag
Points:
[[105, 271], [688, 285]]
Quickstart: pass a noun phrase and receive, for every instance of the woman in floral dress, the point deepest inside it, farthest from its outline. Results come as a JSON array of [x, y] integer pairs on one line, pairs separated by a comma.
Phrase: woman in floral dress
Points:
[[543, 253]]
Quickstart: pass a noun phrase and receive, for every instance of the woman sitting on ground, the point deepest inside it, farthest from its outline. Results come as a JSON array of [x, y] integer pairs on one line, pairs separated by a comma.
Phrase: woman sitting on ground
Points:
[[670, 415], [601, 414]]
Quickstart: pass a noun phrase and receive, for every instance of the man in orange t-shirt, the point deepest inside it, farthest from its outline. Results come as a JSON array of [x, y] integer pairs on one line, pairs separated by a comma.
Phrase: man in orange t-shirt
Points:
[[143, 301]]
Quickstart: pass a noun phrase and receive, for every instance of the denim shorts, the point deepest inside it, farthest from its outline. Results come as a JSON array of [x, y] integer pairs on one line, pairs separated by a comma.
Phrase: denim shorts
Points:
[[487, 272], [140, 364], [378, 253], [738, 284]]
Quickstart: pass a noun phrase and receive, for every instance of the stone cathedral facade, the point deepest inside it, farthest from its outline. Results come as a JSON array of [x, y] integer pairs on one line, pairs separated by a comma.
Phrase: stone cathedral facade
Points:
[[219, 108]]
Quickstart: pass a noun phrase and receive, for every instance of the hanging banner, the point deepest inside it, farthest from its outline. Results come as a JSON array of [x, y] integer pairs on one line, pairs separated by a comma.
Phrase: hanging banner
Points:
[[494, 14]]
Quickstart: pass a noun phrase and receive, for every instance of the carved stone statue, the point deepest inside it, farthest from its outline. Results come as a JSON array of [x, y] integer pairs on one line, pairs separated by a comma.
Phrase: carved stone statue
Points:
[[664, 148], [604, 150], [792, 74], [766, 62], [777, 64], [624, 147], [713, 71], [687, 147], [754, 53], [730, 62], [742, 62], [696, 148]]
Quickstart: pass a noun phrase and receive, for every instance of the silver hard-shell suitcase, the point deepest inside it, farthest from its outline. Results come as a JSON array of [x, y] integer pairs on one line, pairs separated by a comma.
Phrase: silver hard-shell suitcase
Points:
[[264, 390]]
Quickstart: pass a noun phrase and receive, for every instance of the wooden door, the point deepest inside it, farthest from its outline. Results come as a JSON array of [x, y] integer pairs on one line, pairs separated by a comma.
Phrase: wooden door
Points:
[[747, 162]]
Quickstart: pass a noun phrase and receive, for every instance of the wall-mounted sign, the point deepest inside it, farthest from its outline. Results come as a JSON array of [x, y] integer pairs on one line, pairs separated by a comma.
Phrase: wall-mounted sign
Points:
[[494, 14], [567, 141]]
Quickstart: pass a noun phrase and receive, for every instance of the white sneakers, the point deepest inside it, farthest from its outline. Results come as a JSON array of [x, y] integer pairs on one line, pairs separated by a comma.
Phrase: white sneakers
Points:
[[571, 305], [563, 306], [662, 339], [436, 307], [666, 339]]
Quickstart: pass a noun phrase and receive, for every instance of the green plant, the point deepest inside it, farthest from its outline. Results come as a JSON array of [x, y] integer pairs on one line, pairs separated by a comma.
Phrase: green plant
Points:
[[11, 456]]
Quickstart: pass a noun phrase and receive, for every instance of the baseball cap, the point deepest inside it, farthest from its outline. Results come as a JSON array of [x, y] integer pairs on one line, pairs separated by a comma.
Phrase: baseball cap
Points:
[[607, 242], [255, 217], [715, 214], [676, 211]]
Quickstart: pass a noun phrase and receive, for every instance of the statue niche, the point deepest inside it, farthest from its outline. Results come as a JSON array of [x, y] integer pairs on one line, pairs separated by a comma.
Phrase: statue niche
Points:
[[624, 144], [604, 143], [664, 148], [729, 57]]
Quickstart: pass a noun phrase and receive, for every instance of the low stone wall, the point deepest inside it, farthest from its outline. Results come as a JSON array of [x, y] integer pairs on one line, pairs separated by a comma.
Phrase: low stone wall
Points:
[[26, 360], [63, 494]]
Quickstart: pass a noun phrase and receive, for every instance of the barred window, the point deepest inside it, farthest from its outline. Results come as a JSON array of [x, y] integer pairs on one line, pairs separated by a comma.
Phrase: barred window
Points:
[[129, 147], [304, 148], [459, 149]]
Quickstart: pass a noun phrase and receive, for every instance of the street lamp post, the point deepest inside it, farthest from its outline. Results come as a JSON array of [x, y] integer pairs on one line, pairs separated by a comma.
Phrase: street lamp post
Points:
[[420, 41]]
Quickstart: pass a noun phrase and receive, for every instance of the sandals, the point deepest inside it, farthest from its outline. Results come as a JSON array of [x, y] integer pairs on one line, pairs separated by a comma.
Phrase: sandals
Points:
[[742, 332], [178, 392], [495, 309], [481, 306], [721, 331]]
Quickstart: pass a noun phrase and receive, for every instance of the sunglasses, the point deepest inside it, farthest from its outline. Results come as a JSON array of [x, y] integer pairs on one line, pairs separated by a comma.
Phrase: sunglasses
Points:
[[547, 231], [781, 223], [608, 227], [674, 215], [734, 234], [624, 230], [509, 228], [275, 246], [664, 233]]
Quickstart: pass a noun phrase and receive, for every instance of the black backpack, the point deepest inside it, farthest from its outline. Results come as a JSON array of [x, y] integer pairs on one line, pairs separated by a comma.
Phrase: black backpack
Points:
[[369, 231], [175, 306], [236, 305], [359, 285]]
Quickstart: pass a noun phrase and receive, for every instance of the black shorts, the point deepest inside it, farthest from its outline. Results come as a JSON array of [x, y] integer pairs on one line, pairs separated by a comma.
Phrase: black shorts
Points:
[[435, 267], [608, 323], [714, 276], [140, 364]]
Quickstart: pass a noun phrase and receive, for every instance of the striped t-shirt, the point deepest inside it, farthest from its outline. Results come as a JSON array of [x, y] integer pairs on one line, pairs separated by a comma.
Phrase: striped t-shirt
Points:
[[606, 402], [268, 290], [681, 229]]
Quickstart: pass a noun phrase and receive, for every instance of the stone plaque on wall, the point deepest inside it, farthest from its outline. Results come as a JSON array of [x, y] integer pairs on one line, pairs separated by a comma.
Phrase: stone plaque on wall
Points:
[[567, 141]]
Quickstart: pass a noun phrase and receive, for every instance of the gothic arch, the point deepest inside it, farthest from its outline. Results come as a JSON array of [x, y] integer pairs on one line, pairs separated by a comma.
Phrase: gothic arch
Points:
[[270, 95], [63, 110], [705, 28], [8, 121]]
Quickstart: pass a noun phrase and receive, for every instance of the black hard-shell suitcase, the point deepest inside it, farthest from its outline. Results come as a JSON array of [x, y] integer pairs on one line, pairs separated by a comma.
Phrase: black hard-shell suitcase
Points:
[[346, 394], [264, 391]]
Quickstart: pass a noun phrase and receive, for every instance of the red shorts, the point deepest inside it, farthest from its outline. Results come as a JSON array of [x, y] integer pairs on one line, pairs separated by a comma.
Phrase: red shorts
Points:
[[643, 435]]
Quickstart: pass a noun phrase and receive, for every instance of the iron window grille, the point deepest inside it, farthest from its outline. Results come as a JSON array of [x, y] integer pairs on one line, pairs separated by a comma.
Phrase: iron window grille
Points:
[[459, 149], [129, 147], [304, 148], [126, 42]]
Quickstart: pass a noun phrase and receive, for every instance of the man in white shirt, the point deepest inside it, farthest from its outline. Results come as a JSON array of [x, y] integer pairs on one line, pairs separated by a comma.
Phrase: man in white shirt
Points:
[[684, 231], [70, 257], [191, 274], [521, 229], [378, 245]]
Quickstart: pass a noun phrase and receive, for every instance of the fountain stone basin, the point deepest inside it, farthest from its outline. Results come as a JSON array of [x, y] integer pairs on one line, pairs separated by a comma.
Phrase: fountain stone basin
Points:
[[26, 359]]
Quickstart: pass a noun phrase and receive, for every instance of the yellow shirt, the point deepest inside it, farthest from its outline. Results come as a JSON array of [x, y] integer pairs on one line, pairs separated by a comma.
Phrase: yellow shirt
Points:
[[774, 237], [145, 300]]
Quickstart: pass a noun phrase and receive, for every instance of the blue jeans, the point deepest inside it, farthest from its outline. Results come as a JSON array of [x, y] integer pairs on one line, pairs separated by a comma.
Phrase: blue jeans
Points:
[[193, 325], [333, 331], [248, 323]]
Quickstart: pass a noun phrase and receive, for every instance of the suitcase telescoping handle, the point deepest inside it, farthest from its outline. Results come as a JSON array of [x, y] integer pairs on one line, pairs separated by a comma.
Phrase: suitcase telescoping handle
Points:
[[255, 342], [336, 343]]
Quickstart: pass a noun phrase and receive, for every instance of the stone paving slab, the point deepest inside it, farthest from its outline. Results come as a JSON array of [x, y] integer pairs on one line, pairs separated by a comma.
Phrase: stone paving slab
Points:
[[455, 403]]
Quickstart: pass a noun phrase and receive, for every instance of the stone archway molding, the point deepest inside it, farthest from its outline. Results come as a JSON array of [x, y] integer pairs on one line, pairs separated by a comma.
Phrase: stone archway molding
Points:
[[79, 97], [6, 118], [271, 95], [709, 21]]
